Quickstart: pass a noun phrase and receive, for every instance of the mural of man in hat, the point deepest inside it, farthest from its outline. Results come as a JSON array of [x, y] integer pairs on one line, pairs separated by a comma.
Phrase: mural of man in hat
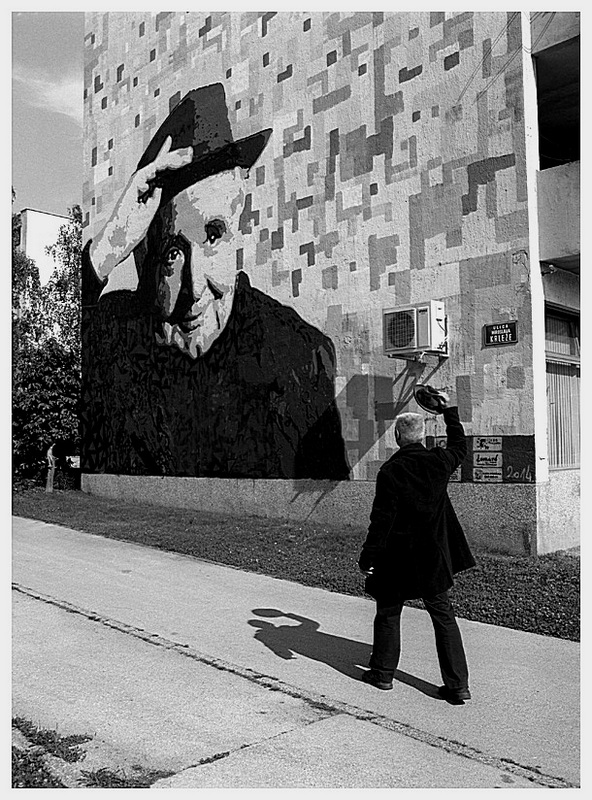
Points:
[[188, 369]]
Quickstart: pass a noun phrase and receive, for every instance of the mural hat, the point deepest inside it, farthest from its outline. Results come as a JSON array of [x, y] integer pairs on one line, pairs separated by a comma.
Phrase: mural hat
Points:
[[428, 398], [200, 120]]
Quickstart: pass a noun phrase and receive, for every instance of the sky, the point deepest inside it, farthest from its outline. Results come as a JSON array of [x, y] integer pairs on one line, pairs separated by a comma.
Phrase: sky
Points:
[[47, 92]]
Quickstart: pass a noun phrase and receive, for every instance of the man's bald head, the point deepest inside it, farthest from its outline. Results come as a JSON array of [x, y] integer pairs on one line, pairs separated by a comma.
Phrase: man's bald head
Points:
[[409, 428]]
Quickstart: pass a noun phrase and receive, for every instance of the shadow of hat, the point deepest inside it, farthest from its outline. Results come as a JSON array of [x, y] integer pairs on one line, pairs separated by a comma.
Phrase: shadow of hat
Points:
[[200, 120]]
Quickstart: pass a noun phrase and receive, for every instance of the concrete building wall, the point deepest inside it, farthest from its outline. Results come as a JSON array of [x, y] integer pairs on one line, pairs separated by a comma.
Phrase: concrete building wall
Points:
[[562, 289], [559, 211], [559, 511], [551, 28], [396, 174], [497, 518]]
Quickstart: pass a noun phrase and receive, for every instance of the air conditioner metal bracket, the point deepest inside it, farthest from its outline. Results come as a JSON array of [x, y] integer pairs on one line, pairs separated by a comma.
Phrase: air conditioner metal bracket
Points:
[[423, 357]]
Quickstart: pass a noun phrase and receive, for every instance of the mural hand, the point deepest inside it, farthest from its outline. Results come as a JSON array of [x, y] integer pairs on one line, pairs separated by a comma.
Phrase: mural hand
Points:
[[146, 183], [167, 159], [135, 210]]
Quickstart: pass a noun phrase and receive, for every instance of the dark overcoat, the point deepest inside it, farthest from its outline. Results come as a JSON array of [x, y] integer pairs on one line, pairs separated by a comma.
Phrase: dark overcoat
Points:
[[415, 542]]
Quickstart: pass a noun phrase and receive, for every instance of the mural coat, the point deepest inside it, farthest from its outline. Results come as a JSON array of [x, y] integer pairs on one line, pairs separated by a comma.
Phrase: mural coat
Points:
[[236, 329]]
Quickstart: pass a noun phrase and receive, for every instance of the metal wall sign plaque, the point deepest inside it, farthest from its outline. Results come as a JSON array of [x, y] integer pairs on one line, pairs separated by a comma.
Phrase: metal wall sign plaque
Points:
[[500, 333]]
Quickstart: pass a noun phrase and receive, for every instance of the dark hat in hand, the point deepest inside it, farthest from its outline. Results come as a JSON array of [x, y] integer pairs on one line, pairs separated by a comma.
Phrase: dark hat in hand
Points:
[[429, 399], [200, 120]]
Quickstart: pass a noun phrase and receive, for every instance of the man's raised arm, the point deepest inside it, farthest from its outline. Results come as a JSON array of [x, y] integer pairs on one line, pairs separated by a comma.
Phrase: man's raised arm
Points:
[[456, 442]]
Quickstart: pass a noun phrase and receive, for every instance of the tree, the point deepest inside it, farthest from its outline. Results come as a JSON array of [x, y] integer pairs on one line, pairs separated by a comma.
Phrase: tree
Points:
[[62, 292], [46, 352], [26, 294]]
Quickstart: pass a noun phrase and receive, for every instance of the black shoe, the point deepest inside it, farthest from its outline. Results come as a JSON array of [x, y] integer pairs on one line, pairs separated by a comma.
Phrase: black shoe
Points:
[[372, 678], [454, 696]]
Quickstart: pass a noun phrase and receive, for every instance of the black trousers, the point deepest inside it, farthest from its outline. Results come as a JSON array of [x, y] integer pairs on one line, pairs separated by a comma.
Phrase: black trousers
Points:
[[451, 655]]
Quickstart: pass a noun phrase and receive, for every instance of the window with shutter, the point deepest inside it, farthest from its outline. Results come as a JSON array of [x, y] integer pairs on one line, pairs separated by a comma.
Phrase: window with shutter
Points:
[[562, 335]]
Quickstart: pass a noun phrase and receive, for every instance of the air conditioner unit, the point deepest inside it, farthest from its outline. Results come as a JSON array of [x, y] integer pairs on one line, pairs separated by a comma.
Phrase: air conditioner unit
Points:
[[415, 329]]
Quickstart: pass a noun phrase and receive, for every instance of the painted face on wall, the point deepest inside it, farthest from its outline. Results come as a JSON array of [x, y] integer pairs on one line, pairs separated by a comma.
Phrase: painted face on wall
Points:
[[198, 267]]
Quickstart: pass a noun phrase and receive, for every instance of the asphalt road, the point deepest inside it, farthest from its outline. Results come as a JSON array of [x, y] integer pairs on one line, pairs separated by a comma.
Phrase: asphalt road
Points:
[[220, 678]]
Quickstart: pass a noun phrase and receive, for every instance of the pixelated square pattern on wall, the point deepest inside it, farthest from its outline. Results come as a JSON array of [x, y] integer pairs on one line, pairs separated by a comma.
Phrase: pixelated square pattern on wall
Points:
[[395, 174]]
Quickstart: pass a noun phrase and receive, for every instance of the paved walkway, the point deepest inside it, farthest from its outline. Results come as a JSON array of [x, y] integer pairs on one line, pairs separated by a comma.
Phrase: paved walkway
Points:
[[221, 678]]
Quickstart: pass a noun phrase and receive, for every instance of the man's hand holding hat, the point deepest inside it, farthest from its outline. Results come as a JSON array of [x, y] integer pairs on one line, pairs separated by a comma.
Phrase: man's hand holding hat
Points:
[[432, 400]]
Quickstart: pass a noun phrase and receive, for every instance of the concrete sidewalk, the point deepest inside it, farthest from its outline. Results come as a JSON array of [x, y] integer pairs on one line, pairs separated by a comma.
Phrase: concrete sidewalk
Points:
[[225, 678]]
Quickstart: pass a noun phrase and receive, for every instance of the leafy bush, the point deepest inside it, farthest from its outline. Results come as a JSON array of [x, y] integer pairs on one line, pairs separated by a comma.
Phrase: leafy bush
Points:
[[45, 402], [30, 772], [46, 354]]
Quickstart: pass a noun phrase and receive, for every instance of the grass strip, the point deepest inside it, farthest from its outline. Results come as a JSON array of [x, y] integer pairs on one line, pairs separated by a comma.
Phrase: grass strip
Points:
[[534, 594], [29, 772]]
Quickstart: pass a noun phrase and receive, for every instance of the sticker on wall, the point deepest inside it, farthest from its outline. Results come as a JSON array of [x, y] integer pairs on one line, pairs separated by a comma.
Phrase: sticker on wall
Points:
[[487, 475], [456, 476], [440, 441], [487, 459], [494, 459], [487, 443]]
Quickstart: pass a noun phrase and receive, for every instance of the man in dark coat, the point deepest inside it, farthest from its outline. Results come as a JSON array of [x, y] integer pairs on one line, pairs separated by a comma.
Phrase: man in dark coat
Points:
[[414, 546]]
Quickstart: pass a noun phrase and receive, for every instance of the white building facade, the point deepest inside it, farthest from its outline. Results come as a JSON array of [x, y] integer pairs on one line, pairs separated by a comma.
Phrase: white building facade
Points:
[[39, 230]]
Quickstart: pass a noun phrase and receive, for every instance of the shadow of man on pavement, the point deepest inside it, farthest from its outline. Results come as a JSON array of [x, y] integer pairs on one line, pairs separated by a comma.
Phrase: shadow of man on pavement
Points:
[[343, 655]]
